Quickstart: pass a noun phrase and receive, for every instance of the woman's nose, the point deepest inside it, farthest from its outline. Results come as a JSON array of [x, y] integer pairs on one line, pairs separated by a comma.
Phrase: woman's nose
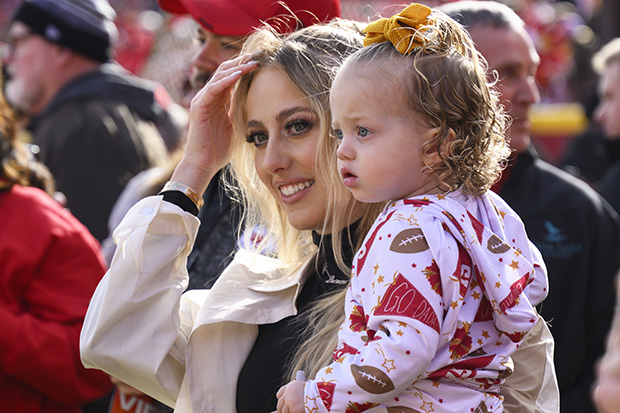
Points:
[[277, 158]]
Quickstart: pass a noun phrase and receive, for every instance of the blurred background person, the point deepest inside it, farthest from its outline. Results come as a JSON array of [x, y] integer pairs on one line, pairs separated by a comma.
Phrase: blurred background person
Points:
[[94, 126], [575, 229], [49, 268], [607, 64]]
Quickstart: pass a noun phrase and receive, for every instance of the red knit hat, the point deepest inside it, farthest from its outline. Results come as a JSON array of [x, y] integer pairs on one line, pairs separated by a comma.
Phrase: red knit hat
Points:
[[240, 17]]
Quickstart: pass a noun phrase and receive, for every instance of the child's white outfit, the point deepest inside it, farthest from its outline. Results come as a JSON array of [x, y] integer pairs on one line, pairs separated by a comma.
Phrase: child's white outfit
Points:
[[442, 293]]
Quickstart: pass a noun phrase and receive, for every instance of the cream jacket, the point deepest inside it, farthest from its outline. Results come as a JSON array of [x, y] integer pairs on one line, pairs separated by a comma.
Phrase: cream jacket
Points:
[[187, 350]]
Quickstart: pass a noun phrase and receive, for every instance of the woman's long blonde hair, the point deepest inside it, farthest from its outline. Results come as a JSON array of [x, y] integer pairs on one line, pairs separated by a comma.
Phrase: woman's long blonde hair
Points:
[[309, 57]]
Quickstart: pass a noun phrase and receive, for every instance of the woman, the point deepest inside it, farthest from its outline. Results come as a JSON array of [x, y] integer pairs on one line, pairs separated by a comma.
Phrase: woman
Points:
[[228, 349], [285, 175]]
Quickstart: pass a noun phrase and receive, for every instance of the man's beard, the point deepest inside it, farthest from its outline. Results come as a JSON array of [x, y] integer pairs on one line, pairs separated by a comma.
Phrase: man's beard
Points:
[[16, 97], [199, 78]]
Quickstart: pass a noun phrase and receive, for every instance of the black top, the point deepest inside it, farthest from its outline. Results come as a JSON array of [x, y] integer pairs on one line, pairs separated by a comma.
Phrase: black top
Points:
[[578, 235], [263, 372]]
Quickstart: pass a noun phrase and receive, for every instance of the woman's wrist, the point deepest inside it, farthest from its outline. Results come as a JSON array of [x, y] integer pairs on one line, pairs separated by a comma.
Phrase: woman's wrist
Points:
[[197, 178], [188, 191]]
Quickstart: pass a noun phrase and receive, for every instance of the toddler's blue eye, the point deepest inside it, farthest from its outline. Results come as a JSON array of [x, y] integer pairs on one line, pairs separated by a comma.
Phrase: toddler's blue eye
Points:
[[338, 134], [363, 132]]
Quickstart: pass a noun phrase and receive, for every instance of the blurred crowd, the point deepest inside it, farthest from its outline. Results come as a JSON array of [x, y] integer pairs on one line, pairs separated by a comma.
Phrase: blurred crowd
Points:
[[137, 95]]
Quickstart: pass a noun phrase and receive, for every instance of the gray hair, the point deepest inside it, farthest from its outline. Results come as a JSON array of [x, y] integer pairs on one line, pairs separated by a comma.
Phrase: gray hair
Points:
[[482, 13]]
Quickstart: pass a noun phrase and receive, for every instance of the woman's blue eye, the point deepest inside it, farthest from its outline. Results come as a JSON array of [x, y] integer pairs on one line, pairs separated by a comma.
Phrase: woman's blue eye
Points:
[[363, 132], [257, 138]]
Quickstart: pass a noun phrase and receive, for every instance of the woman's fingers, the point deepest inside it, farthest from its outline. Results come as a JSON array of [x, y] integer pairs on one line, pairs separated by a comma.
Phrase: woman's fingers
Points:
[[221, 81]]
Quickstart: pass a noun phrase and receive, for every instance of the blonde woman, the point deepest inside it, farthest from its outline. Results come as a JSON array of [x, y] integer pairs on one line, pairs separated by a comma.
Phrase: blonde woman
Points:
[[227, 349]]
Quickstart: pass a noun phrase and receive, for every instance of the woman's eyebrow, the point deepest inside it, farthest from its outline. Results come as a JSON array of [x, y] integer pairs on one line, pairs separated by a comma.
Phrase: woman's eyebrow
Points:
[[280, 117], [288, 112], [254, 124]]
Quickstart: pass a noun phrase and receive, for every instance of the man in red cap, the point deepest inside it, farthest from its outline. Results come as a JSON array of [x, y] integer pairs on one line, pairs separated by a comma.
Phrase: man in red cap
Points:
[[224, 24]]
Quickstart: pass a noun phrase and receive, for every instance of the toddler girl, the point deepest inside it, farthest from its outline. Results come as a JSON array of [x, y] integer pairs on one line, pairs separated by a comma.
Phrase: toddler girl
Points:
[[443, 287]]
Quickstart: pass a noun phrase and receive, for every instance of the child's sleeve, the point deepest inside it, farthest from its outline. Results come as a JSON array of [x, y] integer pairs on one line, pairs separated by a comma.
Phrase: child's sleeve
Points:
[[394, 311]]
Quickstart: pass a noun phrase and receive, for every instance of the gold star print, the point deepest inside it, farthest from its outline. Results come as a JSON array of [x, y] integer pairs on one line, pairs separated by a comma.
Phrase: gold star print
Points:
[[498, 284], [388, 365], [498, 343], [428, 409], [480, 342], [399, 333], [453, 304], [402, 324], [314, 407], [411, 220], [502, 213], [485, 334], [435, 383], [441, 196], [376, 267], [514, 265], [380, 279], [476, 295], [329, 370], [466, 326]]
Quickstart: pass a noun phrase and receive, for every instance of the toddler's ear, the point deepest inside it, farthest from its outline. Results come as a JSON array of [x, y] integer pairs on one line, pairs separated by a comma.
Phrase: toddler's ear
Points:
[[431, 156]]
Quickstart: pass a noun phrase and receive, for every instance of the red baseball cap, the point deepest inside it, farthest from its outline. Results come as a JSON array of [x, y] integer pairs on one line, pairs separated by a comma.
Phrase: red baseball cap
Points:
[[241, 17]]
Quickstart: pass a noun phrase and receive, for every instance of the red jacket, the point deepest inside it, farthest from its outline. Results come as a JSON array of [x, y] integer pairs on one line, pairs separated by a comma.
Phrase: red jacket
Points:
[[49, 268]]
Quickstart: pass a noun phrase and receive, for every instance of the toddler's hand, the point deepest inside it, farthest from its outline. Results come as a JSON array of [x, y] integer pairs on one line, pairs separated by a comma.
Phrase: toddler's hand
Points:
[[291, 397]]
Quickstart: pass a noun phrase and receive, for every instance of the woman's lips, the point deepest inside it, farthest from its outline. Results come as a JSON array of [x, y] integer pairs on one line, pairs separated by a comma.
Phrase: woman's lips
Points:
[[292, 192]]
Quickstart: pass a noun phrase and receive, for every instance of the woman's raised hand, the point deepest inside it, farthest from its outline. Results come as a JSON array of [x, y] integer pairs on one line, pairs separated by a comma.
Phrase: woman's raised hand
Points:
[[209, 138]]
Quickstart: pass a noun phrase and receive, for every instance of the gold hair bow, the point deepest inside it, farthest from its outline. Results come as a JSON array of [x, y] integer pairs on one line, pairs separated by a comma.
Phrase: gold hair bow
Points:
[[401, 29]]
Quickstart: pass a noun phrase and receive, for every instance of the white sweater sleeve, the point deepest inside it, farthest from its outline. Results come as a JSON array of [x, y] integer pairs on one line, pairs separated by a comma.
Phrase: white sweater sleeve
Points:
[[137, 324]]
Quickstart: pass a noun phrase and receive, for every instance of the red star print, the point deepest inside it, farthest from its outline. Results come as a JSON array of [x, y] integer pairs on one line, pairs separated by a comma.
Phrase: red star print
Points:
[[350, 392], [389, 235], [501, 260], [380, 238], [440, 400], [513, 241], [363, 289], [414, 265], [407, 352], [396, 399]]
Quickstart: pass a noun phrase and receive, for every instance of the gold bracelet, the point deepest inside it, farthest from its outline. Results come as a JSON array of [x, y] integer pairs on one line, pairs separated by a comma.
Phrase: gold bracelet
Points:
[[185, 189]]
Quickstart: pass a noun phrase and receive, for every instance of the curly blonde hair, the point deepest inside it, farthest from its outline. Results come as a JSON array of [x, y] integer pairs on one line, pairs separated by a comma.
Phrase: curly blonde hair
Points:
[[446, 83]]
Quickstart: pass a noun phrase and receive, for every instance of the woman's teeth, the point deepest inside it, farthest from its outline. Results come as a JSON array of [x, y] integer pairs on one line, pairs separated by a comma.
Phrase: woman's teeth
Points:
[[289, 190]]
